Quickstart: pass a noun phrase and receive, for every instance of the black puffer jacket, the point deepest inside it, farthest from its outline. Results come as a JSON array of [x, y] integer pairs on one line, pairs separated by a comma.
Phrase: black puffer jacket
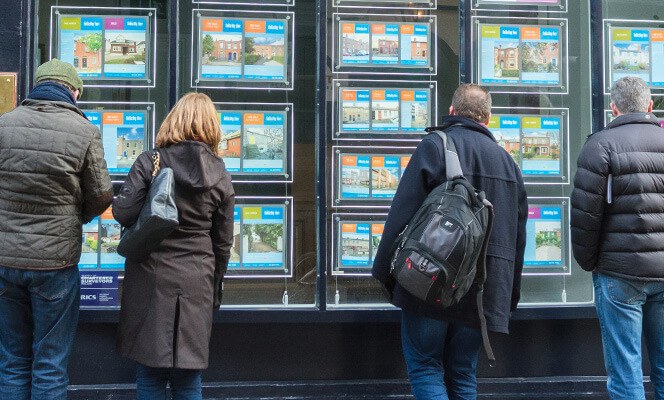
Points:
[[618, 200]]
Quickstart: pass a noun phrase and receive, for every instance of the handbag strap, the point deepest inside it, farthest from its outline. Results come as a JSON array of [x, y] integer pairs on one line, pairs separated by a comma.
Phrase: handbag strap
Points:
[[156, 158]]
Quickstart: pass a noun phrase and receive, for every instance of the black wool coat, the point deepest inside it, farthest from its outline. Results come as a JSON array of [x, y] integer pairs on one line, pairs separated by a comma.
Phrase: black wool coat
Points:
[[168, 299], [618, 200], [487, 167]]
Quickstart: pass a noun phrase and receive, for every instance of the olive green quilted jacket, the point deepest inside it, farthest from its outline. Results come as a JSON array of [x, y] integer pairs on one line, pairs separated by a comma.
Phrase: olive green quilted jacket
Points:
[[53, 177]]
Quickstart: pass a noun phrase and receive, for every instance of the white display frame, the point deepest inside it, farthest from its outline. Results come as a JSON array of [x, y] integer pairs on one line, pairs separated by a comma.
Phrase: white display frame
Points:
[[257, 177], [562, 87], [376, 69], [198, 82], [566, 242], [563, 177], [275, 3], [397, 135], [105, 106], [386, 4], [607, 54], [336, 268], [608, 116], [267, 272], [369, 151], [560, 6], [103, 12]]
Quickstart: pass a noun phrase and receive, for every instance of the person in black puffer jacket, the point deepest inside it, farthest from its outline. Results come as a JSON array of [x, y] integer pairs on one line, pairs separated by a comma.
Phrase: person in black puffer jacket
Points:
[[618, 234]]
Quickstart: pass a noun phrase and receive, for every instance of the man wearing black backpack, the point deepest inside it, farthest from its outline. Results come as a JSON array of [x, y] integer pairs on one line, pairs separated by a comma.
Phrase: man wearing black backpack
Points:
[[441, 346]]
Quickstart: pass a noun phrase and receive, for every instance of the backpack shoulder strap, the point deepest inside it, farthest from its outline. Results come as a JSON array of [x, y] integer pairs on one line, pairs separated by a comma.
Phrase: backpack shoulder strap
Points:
[[480, 278], [452, 165]]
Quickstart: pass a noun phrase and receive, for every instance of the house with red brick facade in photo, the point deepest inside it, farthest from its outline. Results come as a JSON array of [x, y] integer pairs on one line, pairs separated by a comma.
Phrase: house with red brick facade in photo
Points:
[[227, 50], [123, 46], [229, 145], [509, 144], [387, 46], [269, 50], [84, 58], [418, 50], [507, 58]]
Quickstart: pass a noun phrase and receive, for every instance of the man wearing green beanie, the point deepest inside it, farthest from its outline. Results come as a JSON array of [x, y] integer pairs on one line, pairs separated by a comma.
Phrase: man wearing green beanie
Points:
[[54, 178]]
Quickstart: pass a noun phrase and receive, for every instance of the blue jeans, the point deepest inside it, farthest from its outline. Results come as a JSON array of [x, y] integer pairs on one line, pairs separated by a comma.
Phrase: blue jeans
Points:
[[441, 358], [151, 383], [38, 314], [626, 309]]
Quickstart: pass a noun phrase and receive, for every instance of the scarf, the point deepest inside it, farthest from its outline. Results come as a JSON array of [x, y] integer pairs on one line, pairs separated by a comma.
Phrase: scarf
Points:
[[53, 92]]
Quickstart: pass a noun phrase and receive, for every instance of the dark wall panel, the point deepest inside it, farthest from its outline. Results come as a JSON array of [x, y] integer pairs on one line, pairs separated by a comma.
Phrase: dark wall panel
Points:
[[348, 351]]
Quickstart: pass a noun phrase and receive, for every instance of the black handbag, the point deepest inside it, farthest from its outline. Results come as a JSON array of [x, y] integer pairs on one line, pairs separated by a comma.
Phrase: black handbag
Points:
[[157, 219]]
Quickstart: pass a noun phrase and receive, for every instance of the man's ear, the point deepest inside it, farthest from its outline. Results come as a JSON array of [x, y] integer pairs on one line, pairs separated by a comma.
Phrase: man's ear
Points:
[[451, 110], [615, 110], [488, 119], [650, 106], [77, 93]]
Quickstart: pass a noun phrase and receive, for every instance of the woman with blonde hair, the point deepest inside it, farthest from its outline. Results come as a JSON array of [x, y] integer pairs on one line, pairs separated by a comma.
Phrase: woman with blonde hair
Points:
[[168, 300]]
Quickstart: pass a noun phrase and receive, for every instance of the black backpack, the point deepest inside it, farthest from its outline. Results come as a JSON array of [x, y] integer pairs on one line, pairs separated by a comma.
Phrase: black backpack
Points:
[[442, 250]]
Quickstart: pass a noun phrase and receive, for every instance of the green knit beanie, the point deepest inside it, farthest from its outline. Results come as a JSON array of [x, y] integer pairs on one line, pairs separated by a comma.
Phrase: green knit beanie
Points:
[[61, 71]]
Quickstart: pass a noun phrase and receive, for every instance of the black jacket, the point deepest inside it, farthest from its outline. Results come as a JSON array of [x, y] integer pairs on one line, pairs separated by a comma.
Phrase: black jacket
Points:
[[621, 231], [168, 299], [491, 169]]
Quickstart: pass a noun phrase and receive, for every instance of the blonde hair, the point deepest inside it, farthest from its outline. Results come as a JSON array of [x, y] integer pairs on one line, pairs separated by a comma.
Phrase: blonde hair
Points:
[[192, 118]]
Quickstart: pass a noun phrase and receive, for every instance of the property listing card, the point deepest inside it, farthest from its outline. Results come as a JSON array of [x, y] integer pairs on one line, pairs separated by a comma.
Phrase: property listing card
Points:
[[534, 142], [81, 41], [264, 42], [230, 146], [384, 176], [370, 176], [355, 43], [523, 55], [263, 143], [414, 110], [263, 233], [123, 137], [90, 245], [253, 142], [109, 237], [222, 44], [355, 176], [260, 244], [124, 47], [355, 244], [105, 46], [540, 137], [355, 110], [637, 52], [243, 49], [376, 236], [384, 111], [383, 45], [236, 251], [414, 44], [544, 237], [522, 2]]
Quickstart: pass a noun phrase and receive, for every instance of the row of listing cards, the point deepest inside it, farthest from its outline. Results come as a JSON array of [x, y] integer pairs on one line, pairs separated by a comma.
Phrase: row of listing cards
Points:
[[357, 236], [261, 239]]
